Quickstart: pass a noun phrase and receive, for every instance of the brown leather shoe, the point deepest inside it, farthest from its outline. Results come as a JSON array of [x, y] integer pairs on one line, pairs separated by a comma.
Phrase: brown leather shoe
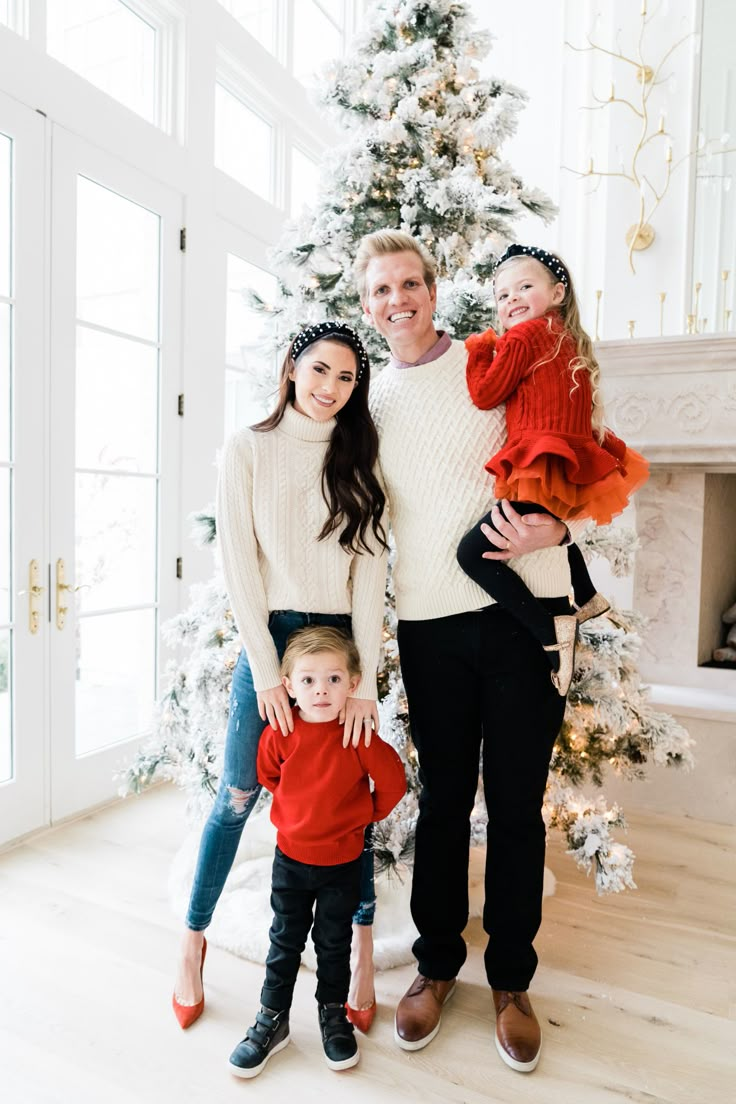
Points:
[[419, 1013], [518, 1034]]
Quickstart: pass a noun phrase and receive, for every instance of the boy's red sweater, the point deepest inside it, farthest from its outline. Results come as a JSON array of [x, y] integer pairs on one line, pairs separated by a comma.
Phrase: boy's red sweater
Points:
[[322, 800]]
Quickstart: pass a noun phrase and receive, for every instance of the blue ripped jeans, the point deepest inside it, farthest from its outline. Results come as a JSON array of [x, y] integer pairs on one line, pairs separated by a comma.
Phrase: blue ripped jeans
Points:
[[239, 786]]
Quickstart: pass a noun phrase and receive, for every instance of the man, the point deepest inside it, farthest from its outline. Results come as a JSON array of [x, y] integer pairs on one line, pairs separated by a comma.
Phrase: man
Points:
[[473, 676]]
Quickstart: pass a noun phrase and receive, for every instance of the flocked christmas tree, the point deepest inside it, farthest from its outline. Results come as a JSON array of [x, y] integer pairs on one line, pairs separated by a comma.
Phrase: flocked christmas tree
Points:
[[421, 150]]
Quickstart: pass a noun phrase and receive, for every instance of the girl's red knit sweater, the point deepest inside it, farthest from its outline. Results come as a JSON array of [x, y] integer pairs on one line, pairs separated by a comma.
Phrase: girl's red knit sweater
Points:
[[322, 802], [551, 457]]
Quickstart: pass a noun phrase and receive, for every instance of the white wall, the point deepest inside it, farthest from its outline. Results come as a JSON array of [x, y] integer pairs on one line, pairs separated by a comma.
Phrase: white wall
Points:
[[556, 130]]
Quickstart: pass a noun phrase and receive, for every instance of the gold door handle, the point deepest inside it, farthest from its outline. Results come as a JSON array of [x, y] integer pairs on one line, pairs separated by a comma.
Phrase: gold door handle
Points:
[[34, 592], [61, 587]]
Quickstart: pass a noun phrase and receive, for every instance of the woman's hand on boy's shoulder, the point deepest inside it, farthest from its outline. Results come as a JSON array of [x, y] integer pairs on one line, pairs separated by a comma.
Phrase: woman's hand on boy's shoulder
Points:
[[360, 717], [275, 708]]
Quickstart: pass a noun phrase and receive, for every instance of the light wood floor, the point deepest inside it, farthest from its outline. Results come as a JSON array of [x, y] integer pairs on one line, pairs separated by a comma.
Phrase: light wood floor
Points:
[[635, 993]]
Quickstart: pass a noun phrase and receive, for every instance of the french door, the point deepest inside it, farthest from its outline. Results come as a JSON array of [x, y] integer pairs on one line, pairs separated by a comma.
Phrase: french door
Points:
[[24, 797], [101, 497], [113, 442]]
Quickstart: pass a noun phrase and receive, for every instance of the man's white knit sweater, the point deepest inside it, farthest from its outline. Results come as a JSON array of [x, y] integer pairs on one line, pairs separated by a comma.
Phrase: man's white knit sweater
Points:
[[270, 511], [434, 446]]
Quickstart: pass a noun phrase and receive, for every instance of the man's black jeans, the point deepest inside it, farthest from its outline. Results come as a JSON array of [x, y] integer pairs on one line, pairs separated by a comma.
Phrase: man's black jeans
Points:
[[475, 681]]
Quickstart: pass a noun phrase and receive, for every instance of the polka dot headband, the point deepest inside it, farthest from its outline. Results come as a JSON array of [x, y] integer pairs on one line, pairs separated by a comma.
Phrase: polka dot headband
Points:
[[310, 334], [554, 264]]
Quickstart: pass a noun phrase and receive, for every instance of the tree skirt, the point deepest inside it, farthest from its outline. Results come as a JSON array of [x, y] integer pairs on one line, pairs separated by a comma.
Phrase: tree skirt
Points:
[[243, 915]]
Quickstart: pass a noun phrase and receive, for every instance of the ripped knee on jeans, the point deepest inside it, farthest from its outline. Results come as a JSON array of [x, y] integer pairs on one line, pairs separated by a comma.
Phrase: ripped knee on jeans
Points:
[[239, 798]]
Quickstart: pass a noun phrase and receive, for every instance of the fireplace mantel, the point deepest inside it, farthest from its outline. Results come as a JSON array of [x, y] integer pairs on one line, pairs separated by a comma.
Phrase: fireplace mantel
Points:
[[674, 398]]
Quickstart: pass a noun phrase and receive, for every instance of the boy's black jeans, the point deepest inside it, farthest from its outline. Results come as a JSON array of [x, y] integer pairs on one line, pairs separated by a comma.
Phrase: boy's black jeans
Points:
[[475, 681], [296, 889]]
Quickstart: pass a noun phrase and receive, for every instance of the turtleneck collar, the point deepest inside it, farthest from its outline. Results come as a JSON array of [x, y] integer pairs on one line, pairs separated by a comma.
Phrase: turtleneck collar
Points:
[[303, 428]]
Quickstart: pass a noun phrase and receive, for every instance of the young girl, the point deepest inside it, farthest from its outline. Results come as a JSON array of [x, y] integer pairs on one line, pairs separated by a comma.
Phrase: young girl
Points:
[[558, 459], [299, 526]]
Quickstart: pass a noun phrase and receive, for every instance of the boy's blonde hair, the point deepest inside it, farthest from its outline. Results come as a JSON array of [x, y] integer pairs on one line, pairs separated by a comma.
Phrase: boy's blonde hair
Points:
[[382, 242], [585, 359], [314, 639]]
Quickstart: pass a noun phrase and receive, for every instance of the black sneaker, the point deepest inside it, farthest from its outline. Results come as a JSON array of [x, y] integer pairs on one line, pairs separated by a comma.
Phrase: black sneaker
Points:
[[269, 1034], [338, 1037]]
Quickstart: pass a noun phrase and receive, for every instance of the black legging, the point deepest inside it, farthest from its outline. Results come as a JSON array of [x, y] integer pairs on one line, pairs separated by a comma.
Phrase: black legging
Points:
[[509, 589]]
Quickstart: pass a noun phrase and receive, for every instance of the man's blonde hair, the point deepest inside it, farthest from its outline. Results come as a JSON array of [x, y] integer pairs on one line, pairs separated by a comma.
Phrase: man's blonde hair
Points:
[[315, 639], [382, 242]]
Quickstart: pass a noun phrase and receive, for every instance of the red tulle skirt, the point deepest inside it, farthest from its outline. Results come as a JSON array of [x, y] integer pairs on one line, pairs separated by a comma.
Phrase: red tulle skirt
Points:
[[573, 477]]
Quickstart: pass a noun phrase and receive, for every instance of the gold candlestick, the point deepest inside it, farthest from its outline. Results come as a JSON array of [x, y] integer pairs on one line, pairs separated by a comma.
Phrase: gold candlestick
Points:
[[598, 295], [691, 323], [698, 286], [726, 272], [662, 297], [631, 323], [727, 320]]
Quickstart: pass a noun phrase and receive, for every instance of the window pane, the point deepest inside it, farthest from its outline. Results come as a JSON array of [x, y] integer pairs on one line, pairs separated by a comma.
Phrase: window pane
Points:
[[117, 261], [5, 382], [116, 668], [5, 527], [116, 541], [116, 403], [304, 181], [242, 143], [6, 735], [5, 20], [5, 212], [317, 37], [244, 356], [335, 9], [242, 406], [258, 17], [110, 46]]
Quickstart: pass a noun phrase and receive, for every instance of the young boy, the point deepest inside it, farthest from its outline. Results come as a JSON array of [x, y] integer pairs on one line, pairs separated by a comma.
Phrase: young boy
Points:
[[321, 805]]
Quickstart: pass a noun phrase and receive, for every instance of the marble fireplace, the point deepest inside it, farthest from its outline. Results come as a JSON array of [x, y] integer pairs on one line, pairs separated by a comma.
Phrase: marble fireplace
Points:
[[674, 399]]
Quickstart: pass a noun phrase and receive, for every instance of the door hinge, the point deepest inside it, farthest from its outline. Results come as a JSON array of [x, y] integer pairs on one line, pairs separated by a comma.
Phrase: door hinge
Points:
[[180, 405], [179, 567], [183, 239]]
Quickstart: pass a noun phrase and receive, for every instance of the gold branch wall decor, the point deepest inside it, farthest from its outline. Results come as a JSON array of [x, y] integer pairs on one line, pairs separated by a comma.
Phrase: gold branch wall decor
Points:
[[640, 234]]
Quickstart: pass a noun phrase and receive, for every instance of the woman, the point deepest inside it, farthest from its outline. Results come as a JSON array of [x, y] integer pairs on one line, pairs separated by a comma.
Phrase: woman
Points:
[[299, 513]]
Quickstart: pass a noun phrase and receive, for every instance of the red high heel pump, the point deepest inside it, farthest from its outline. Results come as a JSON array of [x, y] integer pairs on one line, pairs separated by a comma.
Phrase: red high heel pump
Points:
[[186, 1014], [362, 1018]]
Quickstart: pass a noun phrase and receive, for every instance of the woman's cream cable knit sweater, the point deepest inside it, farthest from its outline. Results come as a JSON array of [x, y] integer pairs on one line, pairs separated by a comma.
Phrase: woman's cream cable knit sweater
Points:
[[270, 511], [434, 447]]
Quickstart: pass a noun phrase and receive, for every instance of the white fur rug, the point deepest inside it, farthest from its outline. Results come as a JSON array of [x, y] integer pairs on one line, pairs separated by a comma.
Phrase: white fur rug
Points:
[[243, 915]]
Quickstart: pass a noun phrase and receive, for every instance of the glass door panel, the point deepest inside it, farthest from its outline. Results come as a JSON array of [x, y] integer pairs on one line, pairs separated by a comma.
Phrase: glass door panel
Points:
[[117, 402], [6, 148], [22, 456], [118, 251], [5, 383], [114, 334], [115, 678], [6, 462], [116, 542], [118, 254], [6, 734], [245, 362]]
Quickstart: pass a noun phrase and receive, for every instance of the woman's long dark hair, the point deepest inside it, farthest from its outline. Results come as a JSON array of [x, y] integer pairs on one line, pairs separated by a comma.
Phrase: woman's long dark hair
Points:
[[353, 495]]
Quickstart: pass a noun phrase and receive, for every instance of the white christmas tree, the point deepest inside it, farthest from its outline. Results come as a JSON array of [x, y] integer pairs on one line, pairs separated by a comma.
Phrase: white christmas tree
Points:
[[422, 135]]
